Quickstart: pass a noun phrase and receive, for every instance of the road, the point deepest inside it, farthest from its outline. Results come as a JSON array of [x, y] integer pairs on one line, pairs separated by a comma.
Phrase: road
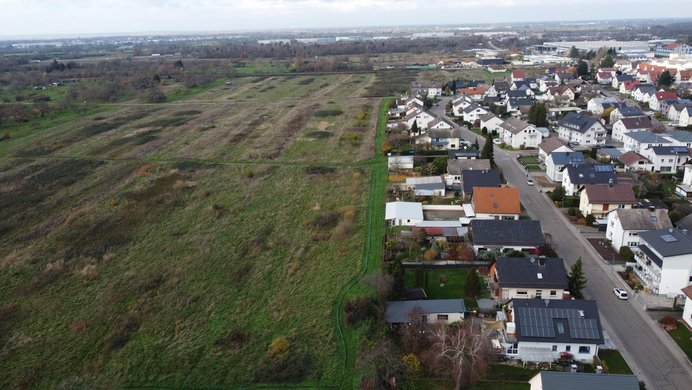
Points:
[[651, 354]]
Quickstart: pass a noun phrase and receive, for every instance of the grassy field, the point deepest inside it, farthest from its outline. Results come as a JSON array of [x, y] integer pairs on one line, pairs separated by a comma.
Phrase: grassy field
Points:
[[683, 337], [454, 288], [616, 363], [168, 245]]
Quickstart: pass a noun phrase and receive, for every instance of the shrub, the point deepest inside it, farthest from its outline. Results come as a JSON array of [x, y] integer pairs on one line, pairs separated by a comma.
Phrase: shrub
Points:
[[669, 323], [413, 364], [626, 253], [291, 367], [572, 211], [345, 228], [359, 309], [327, 113], [278, 347], [590, 220], [123, 330], [327, 220]]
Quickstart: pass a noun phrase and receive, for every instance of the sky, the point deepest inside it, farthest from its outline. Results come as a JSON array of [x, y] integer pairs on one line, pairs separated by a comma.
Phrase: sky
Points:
[[42, 17]]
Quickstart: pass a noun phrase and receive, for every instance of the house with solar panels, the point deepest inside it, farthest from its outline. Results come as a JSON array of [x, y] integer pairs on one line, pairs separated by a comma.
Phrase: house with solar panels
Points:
[[576, 176], [664, 260], [667, 159], [543, 330]]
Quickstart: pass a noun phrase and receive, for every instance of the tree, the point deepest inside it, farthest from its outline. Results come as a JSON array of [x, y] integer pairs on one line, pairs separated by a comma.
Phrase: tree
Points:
[[606, 114], [558, 193], [440, 164], [538, 115], [626, 253], [472, 286], [582, 68], [396, 269], [414, 128], [576, 280], [468, 352], [487, 152], [665, 79], [607, 62], [574, 52]]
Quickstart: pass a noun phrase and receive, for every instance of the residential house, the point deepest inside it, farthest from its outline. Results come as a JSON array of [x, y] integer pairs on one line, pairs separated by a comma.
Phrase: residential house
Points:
[[640, 141], [398, 163], [518, 75], [685, 117], [491, 122], [463, 154], [563, 78], [475, 93], [545, 82], [630, 124], [425, 185], [626, 87], [501, 87], [676, 110], [555, 380], [576, 176], [473, 113], [624, 112], [680, 138], [471, 179], [604, 78], [506, 235], [597, 105], [664, 260], [600, 199], [687, 311], [549, 145], [425, 311], [556, 161], [655, 100], [643, 92], [619, 79], [581, 129], [496, 203], [403, 213], [459, 104], [529, 278], [440, 123], [441, 139], [544, 330], [562, 93], [625, 225], [664, 105], [684, 188], [666, 159], [635, 162], [683, 76], [455, 169], [519, 134]]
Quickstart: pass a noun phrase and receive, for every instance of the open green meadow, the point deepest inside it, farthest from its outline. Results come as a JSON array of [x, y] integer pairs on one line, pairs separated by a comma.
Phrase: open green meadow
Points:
[[169, 244]]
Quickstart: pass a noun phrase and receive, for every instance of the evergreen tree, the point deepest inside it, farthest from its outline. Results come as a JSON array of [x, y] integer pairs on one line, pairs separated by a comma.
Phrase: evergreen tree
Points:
[[414, 128], [576, 280], [538, 115], [665, 79], [487, 152], [574, 52], [472, 287], [396, 269], [607, 62], [582, 68]]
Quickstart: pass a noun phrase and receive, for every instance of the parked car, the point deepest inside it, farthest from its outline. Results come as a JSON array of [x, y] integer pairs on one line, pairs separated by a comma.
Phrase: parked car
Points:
[[620, 293], [497, 141], [530, 182]]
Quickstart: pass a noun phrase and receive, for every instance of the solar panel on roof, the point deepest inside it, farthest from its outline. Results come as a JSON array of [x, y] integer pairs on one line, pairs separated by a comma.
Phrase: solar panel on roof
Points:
[[669, 238], [581, 328], [603, 168]]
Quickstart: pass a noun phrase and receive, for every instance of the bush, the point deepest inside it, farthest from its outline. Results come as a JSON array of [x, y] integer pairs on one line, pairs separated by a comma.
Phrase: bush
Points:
[[669, 323], [291, 367], [326, 220], [626, 253], [278, 347], [359, 309], [590, 220], [572, 211]]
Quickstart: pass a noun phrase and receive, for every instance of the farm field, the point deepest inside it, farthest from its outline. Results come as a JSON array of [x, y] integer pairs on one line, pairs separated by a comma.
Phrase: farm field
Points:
[[169, 244]]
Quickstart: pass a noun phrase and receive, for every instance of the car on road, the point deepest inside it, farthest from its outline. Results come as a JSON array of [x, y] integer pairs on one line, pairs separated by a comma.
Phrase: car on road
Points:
[[620, 293], [530, 182], [497, 141]]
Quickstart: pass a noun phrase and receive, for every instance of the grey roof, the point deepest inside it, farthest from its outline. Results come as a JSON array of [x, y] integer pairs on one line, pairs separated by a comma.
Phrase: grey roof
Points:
[[550, 143], [647, 137], [558, 321], [444, 133], [430, 186], [514, 125], [563, 158], [488, 116], [399, 312], [643, 219], [670, 150], [669, 242], [501, 86], [577, 122], [684, 222], [473, 107], [554, 380], [630, 111], [515, 102], [680, 136], [463, 153], [480, 178], [507, 232], [536, 272], [647, 89], [623, 77], [591, 173], [456, 167], [516, 94]]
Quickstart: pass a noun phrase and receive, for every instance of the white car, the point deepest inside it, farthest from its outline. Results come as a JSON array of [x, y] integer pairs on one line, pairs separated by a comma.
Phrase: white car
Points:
[[497, 141], [620, 293], [530, 182]]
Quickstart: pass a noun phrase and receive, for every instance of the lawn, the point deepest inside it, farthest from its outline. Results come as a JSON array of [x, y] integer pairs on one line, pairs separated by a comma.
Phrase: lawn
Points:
[[529, 160], [683, 337], [169, 245], [616, 363], [454, 288]]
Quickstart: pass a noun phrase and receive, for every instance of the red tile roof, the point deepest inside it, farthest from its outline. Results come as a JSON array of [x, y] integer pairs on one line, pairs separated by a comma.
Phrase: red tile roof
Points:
[[496, 200], [665, 95], [518, 74]]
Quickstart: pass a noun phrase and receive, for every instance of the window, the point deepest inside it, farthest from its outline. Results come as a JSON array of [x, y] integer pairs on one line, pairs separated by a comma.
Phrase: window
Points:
[[539, 293], [554, 348], [553, 293], [584, 349], [442, 317], [568, 348], [561, 330], [522, 293]]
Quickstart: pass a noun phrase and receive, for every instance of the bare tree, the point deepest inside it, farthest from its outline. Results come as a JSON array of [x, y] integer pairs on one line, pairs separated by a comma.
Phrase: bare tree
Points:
[[468, 352]]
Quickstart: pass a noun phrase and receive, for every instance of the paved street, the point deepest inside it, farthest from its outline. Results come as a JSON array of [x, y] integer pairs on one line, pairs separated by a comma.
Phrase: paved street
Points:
[[650, 352]]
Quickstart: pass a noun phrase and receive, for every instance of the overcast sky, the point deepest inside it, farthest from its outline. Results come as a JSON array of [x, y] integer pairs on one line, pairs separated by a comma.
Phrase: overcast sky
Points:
[[37, 17]]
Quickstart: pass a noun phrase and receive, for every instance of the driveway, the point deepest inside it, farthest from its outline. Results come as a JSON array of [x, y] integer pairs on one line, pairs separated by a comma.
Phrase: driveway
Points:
[[651, 353]]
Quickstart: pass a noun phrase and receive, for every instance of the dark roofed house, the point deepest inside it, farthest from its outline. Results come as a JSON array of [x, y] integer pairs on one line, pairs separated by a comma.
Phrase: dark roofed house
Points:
[[455, 168], [581, 129], [600, 199], [634, 161], [479, 178], [576, 176], [543, 329], [497, 234], [554, 380], [664, 260], [530, 277], [426, 311]]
